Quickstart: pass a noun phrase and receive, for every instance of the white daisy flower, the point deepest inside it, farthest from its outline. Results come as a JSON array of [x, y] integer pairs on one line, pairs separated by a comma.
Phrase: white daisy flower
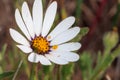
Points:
[[44, 46]]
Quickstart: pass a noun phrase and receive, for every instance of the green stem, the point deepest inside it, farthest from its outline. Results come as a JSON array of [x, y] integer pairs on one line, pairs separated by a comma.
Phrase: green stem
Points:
[[58, 72], [17, 70], [33, 70], [32, 74]]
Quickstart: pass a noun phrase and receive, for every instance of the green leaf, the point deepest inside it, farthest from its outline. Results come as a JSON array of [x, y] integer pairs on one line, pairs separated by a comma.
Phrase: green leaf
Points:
[[3, 51], [78, 10], [6, 74], [85, 64], [1, 70], [67, 71], [104, 63], [99, 57], [82, 33], [116, 52], [47, 69], [116, 16]]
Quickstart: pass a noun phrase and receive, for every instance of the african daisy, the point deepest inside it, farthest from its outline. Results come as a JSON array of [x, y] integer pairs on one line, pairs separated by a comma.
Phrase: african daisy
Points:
[[44, 46]]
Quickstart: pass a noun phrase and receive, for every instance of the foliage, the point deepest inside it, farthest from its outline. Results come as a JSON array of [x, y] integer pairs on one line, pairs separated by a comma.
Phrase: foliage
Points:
[[91, 67], [103, 60]]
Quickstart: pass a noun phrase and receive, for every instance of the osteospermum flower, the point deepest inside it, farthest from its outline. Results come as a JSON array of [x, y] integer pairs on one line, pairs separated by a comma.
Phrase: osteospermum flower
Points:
[[44, 46]]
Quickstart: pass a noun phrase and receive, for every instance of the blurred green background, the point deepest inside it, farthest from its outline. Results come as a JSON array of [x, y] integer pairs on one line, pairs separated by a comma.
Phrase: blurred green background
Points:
[[99, 21]]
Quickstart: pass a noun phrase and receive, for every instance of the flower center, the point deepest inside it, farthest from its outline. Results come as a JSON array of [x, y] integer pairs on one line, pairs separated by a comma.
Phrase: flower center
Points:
[[40, 45]]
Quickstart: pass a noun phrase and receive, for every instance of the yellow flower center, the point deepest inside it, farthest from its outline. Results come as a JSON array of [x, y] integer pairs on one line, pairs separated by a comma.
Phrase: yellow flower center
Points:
[[40, 45]]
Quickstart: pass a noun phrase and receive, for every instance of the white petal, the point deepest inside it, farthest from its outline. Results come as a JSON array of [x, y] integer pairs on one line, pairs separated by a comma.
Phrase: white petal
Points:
[[69, 56], [69, 46], [56, 59], [62, 26], [65, 36], [25, 49], [49, 18], [27, 19], [44, 60], [16, 36], [33, 57], [21, 24], [37, 16]]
